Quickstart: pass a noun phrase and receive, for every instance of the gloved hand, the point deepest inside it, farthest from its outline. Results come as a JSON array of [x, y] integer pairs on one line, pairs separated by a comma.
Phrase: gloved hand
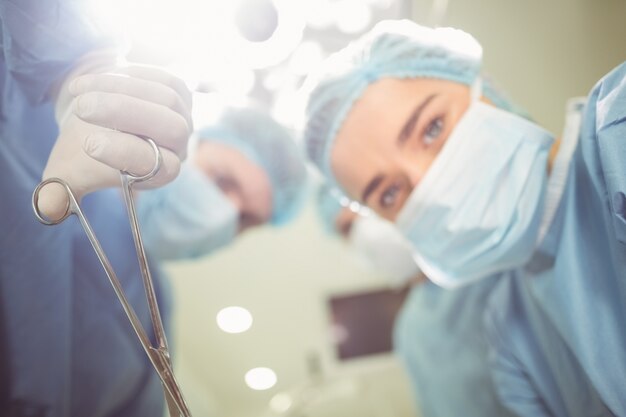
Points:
[[101, 126]]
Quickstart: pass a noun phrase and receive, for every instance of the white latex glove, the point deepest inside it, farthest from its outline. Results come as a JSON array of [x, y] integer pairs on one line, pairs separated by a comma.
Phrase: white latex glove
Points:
[[102, 117]]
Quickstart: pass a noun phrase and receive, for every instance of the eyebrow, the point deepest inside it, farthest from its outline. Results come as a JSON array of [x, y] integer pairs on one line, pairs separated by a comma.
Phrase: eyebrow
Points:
[[406, 131], [373, 184], [409, 126]]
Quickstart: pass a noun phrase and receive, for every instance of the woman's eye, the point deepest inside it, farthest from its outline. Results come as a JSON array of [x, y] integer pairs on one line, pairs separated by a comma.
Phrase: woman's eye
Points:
[[433, 131], [389, 196]]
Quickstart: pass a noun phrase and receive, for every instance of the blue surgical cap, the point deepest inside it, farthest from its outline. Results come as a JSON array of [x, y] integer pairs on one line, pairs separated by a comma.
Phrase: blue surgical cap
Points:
[[392, 49], [329, 202], [262, 140]]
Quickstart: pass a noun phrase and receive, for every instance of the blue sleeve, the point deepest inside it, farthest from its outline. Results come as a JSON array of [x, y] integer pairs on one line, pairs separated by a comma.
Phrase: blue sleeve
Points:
[[42, 39], [608, 105]]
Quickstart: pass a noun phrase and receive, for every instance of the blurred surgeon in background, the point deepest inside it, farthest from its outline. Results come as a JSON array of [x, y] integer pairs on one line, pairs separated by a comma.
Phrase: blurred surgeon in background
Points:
[[403, 122], [438, 333], [244, 170]]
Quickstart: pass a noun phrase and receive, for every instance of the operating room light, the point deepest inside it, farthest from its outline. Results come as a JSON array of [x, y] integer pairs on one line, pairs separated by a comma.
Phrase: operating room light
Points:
[[256, 20], [287, 108], [319, 14], [279, 78], [353, 16], [233, 81], [280, 44], [234, 319], [260, 379], [381, 4], [306, 56]]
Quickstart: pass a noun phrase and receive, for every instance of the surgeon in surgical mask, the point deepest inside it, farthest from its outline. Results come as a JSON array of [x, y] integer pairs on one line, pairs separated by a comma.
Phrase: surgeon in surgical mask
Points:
[[404, 122], [243, 171], [438, 333]]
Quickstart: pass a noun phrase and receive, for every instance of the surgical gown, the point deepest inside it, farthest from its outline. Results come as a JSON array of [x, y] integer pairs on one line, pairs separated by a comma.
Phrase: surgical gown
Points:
[[439, 336], [558, 330], [70, 350]]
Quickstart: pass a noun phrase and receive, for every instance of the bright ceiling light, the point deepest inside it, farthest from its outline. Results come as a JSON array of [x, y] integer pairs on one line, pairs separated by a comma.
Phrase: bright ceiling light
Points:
[[306, 56], [381, 4], [260, 378], [280, 78], [288, 108], [256, 20], [352, 16], [234, 319], [281, 43], [202, 31], [319, 14], [234, 81]]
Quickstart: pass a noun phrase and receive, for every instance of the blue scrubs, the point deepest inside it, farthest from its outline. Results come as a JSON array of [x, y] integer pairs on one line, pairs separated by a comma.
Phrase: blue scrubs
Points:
[[439, 336], [533, 369], [571, 297], [70, 349]]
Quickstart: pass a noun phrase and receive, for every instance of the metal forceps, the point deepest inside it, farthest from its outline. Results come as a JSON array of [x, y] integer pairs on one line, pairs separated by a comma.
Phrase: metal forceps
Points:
[[158, 355]]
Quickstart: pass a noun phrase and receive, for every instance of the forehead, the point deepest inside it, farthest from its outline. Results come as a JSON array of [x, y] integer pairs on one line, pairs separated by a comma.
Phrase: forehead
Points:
[[381, 104], [367, 138], [222, 155], [253, 181]]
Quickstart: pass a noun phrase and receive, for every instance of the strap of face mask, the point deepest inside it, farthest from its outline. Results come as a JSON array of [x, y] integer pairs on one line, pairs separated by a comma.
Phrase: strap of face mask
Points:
[[476, 89]]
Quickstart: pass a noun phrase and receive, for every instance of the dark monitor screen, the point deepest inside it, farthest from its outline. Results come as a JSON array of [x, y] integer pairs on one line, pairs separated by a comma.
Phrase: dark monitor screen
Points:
[[362, 323]]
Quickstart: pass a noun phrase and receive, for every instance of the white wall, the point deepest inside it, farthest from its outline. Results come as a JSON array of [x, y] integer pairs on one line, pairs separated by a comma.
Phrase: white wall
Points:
[[541, 52]]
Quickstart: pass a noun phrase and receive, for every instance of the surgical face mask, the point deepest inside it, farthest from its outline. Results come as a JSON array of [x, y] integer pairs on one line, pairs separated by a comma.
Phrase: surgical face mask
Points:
[[187, 218], [478, 209], [383, 249]]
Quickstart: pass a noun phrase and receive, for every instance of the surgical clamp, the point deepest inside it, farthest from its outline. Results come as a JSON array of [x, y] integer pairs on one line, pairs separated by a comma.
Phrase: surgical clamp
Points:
[[159, 355]]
